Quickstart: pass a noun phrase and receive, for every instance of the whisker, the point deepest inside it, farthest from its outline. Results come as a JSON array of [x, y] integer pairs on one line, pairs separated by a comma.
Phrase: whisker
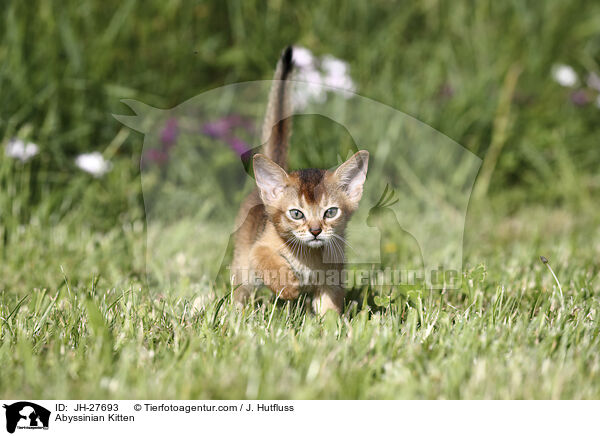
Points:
[[335, 235], [344, 241], [342, 252], [338, 249], [287, 241], [329, 251]]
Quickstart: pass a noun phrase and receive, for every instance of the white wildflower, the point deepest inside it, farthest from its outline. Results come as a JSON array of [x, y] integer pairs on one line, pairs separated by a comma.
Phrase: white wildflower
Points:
[[18, 149], [318, 75], [303, 57], [311, 90], [564, 75], [593, 81], [334, 66], [93, 163], [336, 74]]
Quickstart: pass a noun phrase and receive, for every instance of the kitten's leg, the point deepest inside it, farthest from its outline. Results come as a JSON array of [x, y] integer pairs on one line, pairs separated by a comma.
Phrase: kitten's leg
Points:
[[275, 272], [240, 284], [328, 298], [242, 293]]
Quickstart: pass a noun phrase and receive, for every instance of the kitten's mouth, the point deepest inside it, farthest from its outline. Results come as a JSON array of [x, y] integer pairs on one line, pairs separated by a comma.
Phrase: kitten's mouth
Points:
[[315, 243]]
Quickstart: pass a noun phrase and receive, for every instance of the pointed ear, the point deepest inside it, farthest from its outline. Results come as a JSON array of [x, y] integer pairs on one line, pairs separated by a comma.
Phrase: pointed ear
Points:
[[271, 179], [353, 173]]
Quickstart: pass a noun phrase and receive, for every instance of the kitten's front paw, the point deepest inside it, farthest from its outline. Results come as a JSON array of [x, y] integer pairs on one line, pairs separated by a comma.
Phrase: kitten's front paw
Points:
[[289, 287], [283, 282], [276, 274], [328, 298]]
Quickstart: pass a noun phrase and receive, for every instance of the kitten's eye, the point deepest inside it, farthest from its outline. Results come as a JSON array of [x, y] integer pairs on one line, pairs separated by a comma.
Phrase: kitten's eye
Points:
[[331, 212], [296, 214]]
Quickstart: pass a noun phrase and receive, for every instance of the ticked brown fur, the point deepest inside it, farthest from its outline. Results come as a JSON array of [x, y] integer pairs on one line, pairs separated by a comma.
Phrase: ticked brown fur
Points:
[[291, 228]]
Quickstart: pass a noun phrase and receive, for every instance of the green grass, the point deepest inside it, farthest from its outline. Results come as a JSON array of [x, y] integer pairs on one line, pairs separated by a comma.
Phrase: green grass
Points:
[[506, 334], [77, 318]]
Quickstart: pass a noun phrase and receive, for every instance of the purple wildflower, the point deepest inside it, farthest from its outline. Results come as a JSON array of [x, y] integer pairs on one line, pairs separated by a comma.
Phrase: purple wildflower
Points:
[[446, 91], [169, 133], [217, 129], [224, 129], [237, 145], [156, 156], [224, 126], [579, 98]]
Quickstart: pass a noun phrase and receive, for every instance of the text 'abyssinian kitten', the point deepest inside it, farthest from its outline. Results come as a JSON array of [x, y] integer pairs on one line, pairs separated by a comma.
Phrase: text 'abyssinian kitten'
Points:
[[291, 228]]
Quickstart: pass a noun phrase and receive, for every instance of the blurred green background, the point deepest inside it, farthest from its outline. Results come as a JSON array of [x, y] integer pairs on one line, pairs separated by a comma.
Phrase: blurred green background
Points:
[[480, 72], [66, 65]]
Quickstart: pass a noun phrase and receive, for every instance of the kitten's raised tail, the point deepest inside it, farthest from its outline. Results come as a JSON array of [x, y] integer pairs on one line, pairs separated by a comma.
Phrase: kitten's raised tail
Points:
[[277, 126]]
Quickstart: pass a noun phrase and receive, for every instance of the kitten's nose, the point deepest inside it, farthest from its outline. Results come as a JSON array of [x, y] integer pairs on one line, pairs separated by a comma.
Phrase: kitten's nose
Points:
[[315, 232]]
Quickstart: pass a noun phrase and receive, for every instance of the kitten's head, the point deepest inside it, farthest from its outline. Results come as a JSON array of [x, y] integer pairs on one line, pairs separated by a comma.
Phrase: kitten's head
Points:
[[311, 206]]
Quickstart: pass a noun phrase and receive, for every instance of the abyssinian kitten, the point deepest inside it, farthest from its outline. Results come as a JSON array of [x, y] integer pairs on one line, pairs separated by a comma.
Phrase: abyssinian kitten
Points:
[[291, 227]]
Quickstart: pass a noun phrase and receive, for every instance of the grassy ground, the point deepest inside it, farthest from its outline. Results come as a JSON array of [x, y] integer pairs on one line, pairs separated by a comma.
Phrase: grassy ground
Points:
[[507, 333], [77, 319]]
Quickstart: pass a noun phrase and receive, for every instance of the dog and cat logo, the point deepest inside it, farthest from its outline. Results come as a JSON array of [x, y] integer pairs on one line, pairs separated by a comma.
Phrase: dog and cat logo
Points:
[[26, 415]]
